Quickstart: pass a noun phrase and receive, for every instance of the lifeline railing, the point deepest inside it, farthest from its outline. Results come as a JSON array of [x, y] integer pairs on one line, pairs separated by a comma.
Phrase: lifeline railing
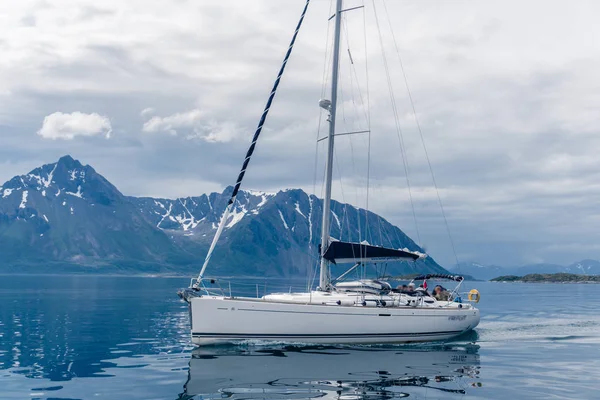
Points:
[[223, 287]]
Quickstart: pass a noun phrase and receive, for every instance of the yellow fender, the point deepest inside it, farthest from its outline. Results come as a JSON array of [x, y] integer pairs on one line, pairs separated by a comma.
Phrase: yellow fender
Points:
[[474, 295]]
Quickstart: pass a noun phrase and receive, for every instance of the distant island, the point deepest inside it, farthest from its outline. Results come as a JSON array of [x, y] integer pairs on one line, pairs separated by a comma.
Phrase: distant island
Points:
[[489, 271], [549, 278]]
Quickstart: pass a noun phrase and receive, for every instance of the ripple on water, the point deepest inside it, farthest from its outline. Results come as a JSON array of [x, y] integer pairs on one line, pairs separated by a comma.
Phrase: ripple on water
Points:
[[528, 329]]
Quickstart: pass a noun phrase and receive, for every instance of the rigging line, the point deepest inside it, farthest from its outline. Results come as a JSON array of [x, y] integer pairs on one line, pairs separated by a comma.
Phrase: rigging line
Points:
[[315, 166], [397, 121], [421, 134], [368, 108], [362, 102], [352, 68], [351, 157], [367, 118], [346, 221], [337, 167], [250, 151], [354, 171], [340, 175], [367, 233], [353, 74], [399, 134], [327, 54], [342, 103], [337, 164], [382, 231]]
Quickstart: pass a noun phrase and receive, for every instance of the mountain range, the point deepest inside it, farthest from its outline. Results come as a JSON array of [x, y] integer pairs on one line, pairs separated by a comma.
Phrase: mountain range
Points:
[[66, 217], [487, 272]]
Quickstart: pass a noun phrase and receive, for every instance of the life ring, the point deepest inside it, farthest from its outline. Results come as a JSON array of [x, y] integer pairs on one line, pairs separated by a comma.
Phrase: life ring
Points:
[[474, 295]]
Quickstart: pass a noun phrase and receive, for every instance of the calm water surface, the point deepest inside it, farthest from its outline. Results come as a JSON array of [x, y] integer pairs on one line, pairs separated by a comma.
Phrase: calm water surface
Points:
[[116, 337]]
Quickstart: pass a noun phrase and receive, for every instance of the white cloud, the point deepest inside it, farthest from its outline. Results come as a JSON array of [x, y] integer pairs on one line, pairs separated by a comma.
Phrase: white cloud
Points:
[[216, 132], [171, 123], [147, 111], [196, 124], [67, 126]]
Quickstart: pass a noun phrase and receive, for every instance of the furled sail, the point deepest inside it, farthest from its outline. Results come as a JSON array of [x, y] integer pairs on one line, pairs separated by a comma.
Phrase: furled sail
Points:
[[456, 278], [345, 252]]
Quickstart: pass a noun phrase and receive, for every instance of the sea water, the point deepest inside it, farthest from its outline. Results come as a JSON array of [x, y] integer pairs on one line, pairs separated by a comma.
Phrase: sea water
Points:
[[95, 337]]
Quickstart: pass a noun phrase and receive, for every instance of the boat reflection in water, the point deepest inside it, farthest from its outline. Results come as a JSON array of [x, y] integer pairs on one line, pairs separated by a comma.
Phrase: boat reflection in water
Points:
[[293, 372]]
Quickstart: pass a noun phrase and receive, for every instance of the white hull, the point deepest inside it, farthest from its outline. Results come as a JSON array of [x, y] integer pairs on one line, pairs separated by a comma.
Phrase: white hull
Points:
[[224, 320]]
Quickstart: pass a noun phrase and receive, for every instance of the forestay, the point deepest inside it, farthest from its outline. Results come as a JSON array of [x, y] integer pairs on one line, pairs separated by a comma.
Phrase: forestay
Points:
[[261, 123]]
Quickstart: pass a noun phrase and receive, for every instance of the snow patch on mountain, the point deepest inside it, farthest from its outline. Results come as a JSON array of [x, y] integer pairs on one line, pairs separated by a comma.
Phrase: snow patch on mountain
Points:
[[76, 194], [283, 220], [298, 209], [48, 181], [41, 181], [264, 199], [187, 223], [265, 196], [236, 216], [198, 214], [416, 252], [166, 215], [75, 174], [337, 220], [24, 199]]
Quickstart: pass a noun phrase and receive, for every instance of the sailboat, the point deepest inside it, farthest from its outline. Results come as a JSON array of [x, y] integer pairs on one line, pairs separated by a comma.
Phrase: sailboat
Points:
[[363, 311]]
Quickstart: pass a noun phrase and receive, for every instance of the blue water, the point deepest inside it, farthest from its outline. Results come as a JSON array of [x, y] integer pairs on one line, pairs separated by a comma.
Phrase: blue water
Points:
[[80, 337]]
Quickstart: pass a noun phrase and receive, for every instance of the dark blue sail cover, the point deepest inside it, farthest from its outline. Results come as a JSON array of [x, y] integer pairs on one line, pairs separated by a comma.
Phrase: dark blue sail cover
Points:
[[345, 252], [440, 276]]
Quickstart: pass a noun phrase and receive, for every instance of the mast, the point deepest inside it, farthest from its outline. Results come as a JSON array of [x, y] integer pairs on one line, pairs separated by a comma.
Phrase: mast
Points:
[[325, 278]]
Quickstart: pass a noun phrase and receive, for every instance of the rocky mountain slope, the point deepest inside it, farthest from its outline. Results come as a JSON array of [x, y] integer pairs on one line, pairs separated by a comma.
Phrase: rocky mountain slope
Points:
[[66, 212], [66, 217]]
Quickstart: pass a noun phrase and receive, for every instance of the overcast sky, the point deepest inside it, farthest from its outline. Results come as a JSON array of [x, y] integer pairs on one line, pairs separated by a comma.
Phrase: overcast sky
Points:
[[162, 98]]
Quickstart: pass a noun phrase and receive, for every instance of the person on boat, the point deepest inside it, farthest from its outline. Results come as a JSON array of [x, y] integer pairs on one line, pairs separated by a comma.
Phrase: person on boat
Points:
[[423, 290], [402, 288], [441, 294]]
